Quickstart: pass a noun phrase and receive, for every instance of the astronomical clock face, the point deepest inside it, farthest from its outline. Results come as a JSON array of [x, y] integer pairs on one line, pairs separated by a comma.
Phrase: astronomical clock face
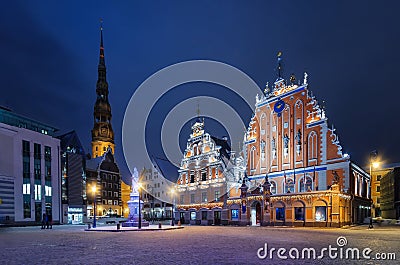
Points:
[[279, 106], [104, 131]]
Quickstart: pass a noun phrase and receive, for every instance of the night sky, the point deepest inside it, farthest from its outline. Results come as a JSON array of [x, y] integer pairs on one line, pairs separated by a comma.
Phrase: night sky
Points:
[[350, 49]]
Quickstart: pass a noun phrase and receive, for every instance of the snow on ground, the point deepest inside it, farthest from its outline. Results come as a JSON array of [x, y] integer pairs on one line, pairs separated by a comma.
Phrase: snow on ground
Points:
[[69, 244]]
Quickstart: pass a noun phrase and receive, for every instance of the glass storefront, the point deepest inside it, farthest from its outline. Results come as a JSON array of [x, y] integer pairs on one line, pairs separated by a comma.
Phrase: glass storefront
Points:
[[75, 216]]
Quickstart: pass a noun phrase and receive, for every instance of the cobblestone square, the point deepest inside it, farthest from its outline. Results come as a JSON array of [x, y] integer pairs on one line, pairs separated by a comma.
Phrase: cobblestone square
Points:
[[191, 245]]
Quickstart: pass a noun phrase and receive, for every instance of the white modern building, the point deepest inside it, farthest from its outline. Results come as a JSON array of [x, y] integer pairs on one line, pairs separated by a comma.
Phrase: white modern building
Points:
[[29, 170]]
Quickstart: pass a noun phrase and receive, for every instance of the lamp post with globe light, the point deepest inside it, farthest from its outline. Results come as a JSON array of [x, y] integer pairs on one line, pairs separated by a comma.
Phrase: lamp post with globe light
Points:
[[94, 205]]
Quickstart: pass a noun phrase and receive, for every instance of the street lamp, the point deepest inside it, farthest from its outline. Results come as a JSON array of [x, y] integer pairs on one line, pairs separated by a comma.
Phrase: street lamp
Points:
[[373, 163], [140, 210], [173, 205], [94, 205]]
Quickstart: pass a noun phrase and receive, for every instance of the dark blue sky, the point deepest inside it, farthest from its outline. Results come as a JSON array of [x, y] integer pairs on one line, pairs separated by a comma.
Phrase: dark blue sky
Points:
[[349, 48]]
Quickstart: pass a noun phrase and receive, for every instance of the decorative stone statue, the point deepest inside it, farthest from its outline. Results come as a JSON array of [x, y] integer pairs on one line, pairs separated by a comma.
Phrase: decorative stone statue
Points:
[[286, 145], [336, 178], [273, 147], [135, 181], [298, 142]]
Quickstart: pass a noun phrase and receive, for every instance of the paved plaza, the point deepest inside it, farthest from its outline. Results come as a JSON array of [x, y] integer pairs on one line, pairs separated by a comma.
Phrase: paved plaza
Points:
[[69, 244]]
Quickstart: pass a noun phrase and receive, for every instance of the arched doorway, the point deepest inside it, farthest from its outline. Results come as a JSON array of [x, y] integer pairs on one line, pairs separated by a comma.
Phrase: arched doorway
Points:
[[255, 213]]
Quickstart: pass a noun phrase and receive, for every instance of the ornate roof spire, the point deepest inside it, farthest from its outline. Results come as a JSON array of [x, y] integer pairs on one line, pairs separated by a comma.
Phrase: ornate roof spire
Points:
[[102, 132], [279, 67], [101, 59]]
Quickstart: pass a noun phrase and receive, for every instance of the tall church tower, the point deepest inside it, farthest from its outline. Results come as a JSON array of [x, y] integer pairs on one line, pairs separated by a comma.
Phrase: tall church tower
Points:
[[102, 132]]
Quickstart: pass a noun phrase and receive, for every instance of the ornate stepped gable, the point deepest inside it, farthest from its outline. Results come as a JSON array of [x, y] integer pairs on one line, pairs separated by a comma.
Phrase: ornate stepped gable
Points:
[[288, 133], [205, 157], [206, 169]]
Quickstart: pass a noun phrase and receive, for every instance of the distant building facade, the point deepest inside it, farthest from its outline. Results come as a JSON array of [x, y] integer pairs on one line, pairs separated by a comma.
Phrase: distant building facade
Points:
[[377, 174], [156, 195], [125, 197], [29, 171], [390, 194], [73, 179], [103, 173]]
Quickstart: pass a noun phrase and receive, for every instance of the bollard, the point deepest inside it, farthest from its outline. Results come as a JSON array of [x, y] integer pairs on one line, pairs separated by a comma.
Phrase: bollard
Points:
[[88, 226], [179, 223], [118, 226], [159, 225]]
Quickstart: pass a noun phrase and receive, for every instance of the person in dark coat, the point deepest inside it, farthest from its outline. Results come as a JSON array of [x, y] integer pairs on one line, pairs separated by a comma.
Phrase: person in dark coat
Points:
[[47, 221], [44, 221], [50, 221]]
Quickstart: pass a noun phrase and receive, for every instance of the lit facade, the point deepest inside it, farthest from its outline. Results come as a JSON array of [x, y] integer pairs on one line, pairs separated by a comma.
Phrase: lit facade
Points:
[[30, 172], [205, 178], [295, 170], [289, 140], [103, 172]]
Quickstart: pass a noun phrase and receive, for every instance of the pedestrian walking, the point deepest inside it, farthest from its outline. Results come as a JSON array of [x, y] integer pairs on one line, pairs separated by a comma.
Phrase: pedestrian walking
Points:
[[44, 221], [50, 221], [47, 221]]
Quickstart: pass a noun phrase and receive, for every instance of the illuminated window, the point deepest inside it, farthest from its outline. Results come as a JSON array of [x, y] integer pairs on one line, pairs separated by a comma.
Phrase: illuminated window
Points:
[[320, 213], [289, 186], [193, 216], [216, 195], [273, 187], [235, 214], [307, 186], [47, 190], [38, 192], [26, 188], [204, 196]]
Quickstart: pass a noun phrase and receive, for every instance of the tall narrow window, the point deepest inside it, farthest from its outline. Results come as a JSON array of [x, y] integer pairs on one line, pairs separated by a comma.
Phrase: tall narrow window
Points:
[[253, 158], [312, 145]]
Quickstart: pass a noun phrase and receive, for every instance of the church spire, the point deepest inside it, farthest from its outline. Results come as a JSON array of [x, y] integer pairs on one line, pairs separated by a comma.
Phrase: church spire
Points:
[[101, 59], [102, 132]]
